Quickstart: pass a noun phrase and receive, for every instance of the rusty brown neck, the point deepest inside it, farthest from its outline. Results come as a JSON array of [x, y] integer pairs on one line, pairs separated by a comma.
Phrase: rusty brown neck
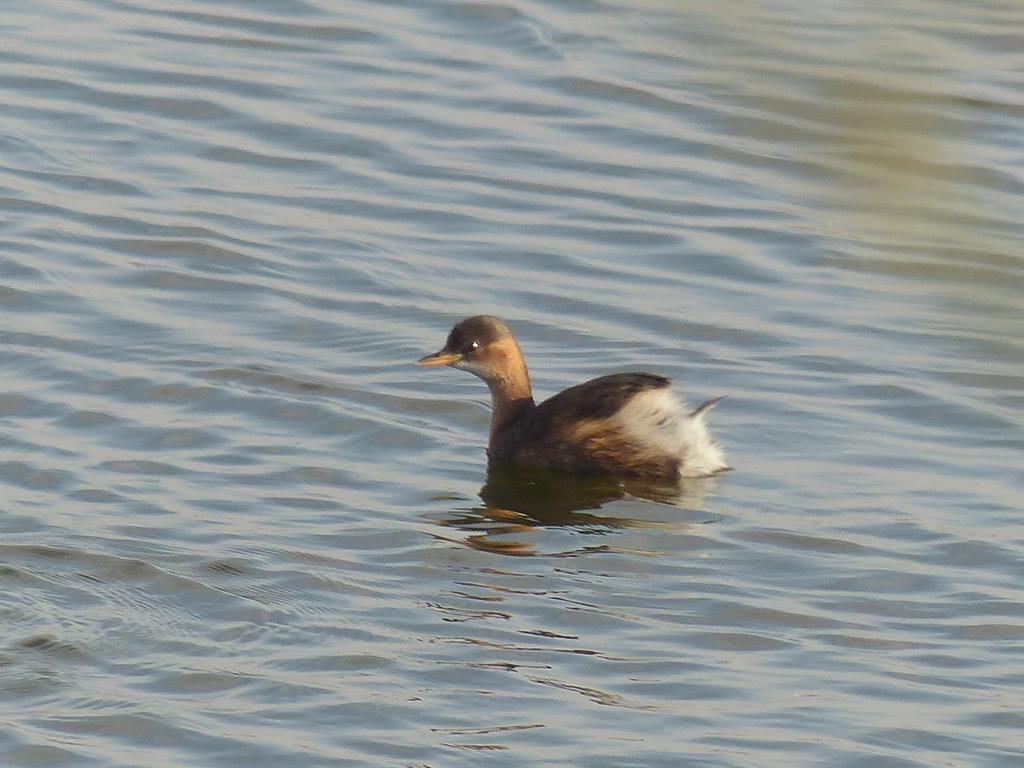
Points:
[[511, 396]]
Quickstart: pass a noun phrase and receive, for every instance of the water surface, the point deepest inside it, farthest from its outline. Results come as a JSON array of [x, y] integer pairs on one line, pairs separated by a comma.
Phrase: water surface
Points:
[[239, 527]]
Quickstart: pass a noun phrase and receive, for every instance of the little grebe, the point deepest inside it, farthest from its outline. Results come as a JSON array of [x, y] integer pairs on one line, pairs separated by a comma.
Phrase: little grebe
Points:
[[625, 423]]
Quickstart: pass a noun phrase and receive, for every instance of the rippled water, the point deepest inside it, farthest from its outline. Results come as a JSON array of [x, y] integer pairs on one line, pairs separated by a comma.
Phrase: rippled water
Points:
[[238, 527]]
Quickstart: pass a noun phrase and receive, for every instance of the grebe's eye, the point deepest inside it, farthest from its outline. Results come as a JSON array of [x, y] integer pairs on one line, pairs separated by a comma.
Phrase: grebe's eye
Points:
[[475, 345]]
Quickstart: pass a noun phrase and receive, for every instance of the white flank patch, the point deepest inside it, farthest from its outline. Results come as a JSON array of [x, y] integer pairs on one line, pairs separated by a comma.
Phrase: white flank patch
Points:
[[658, 419]]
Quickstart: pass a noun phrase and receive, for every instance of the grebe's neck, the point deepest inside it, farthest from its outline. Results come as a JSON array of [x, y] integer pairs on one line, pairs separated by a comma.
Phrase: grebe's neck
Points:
[[511, 395]]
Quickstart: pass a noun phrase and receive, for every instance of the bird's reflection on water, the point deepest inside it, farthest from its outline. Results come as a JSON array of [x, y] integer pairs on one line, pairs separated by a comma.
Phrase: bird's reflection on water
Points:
[[518, 500]]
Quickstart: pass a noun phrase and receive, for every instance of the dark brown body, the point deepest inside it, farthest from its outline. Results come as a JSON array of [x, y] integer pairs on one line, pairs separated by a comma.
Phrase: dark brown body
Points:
[[576, 431]]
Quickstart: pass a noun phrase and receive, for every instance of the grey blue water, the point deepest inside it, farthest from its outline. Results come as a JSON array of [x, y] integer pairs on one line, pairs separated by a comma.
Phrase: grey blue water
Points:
[[239, 527]]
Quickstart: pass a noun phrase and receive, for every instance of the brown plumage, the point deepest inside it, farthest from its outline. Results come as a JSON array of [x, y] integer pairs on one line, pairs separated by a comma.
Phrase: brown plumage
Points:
[[626, 423]]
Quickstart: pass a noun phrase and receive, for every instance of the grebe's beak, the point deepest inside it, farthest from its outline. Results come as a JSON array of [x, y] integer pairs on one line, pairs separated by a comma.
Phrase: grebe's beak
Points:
[[444, 357]]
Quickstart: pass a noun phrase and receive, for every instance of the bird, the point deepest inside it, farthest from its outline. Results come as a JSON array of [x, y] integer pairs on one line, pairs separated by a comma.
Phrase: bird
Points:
[[628, 424]]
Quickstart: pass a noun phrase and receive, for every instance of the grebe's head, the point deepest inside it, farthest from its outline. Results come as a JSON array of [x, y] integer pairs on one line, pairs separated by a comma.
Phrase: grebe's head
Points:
[[482, 345]]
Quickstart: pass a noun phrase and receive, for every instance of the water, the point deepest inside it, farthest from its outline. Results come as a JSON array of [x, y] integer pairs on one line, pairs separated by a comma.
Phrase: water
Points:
[[239, 527]]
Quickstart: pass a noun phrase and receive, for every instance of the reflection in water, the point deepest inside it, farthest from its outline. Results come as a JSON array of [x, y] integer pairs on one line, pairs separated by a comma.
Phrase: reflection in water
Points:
[[517, 500]]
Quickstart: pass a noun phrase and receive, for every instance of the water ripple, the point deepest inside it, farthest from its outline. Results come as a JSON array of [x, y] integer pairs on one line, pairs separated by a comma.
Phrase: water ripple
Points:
[[239, 524]]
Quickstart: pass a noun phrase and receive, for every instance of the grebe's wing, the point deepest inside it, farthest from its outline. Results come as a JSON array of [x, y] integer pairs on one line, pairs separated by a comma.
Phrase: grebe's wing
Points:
[[599, 398]]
